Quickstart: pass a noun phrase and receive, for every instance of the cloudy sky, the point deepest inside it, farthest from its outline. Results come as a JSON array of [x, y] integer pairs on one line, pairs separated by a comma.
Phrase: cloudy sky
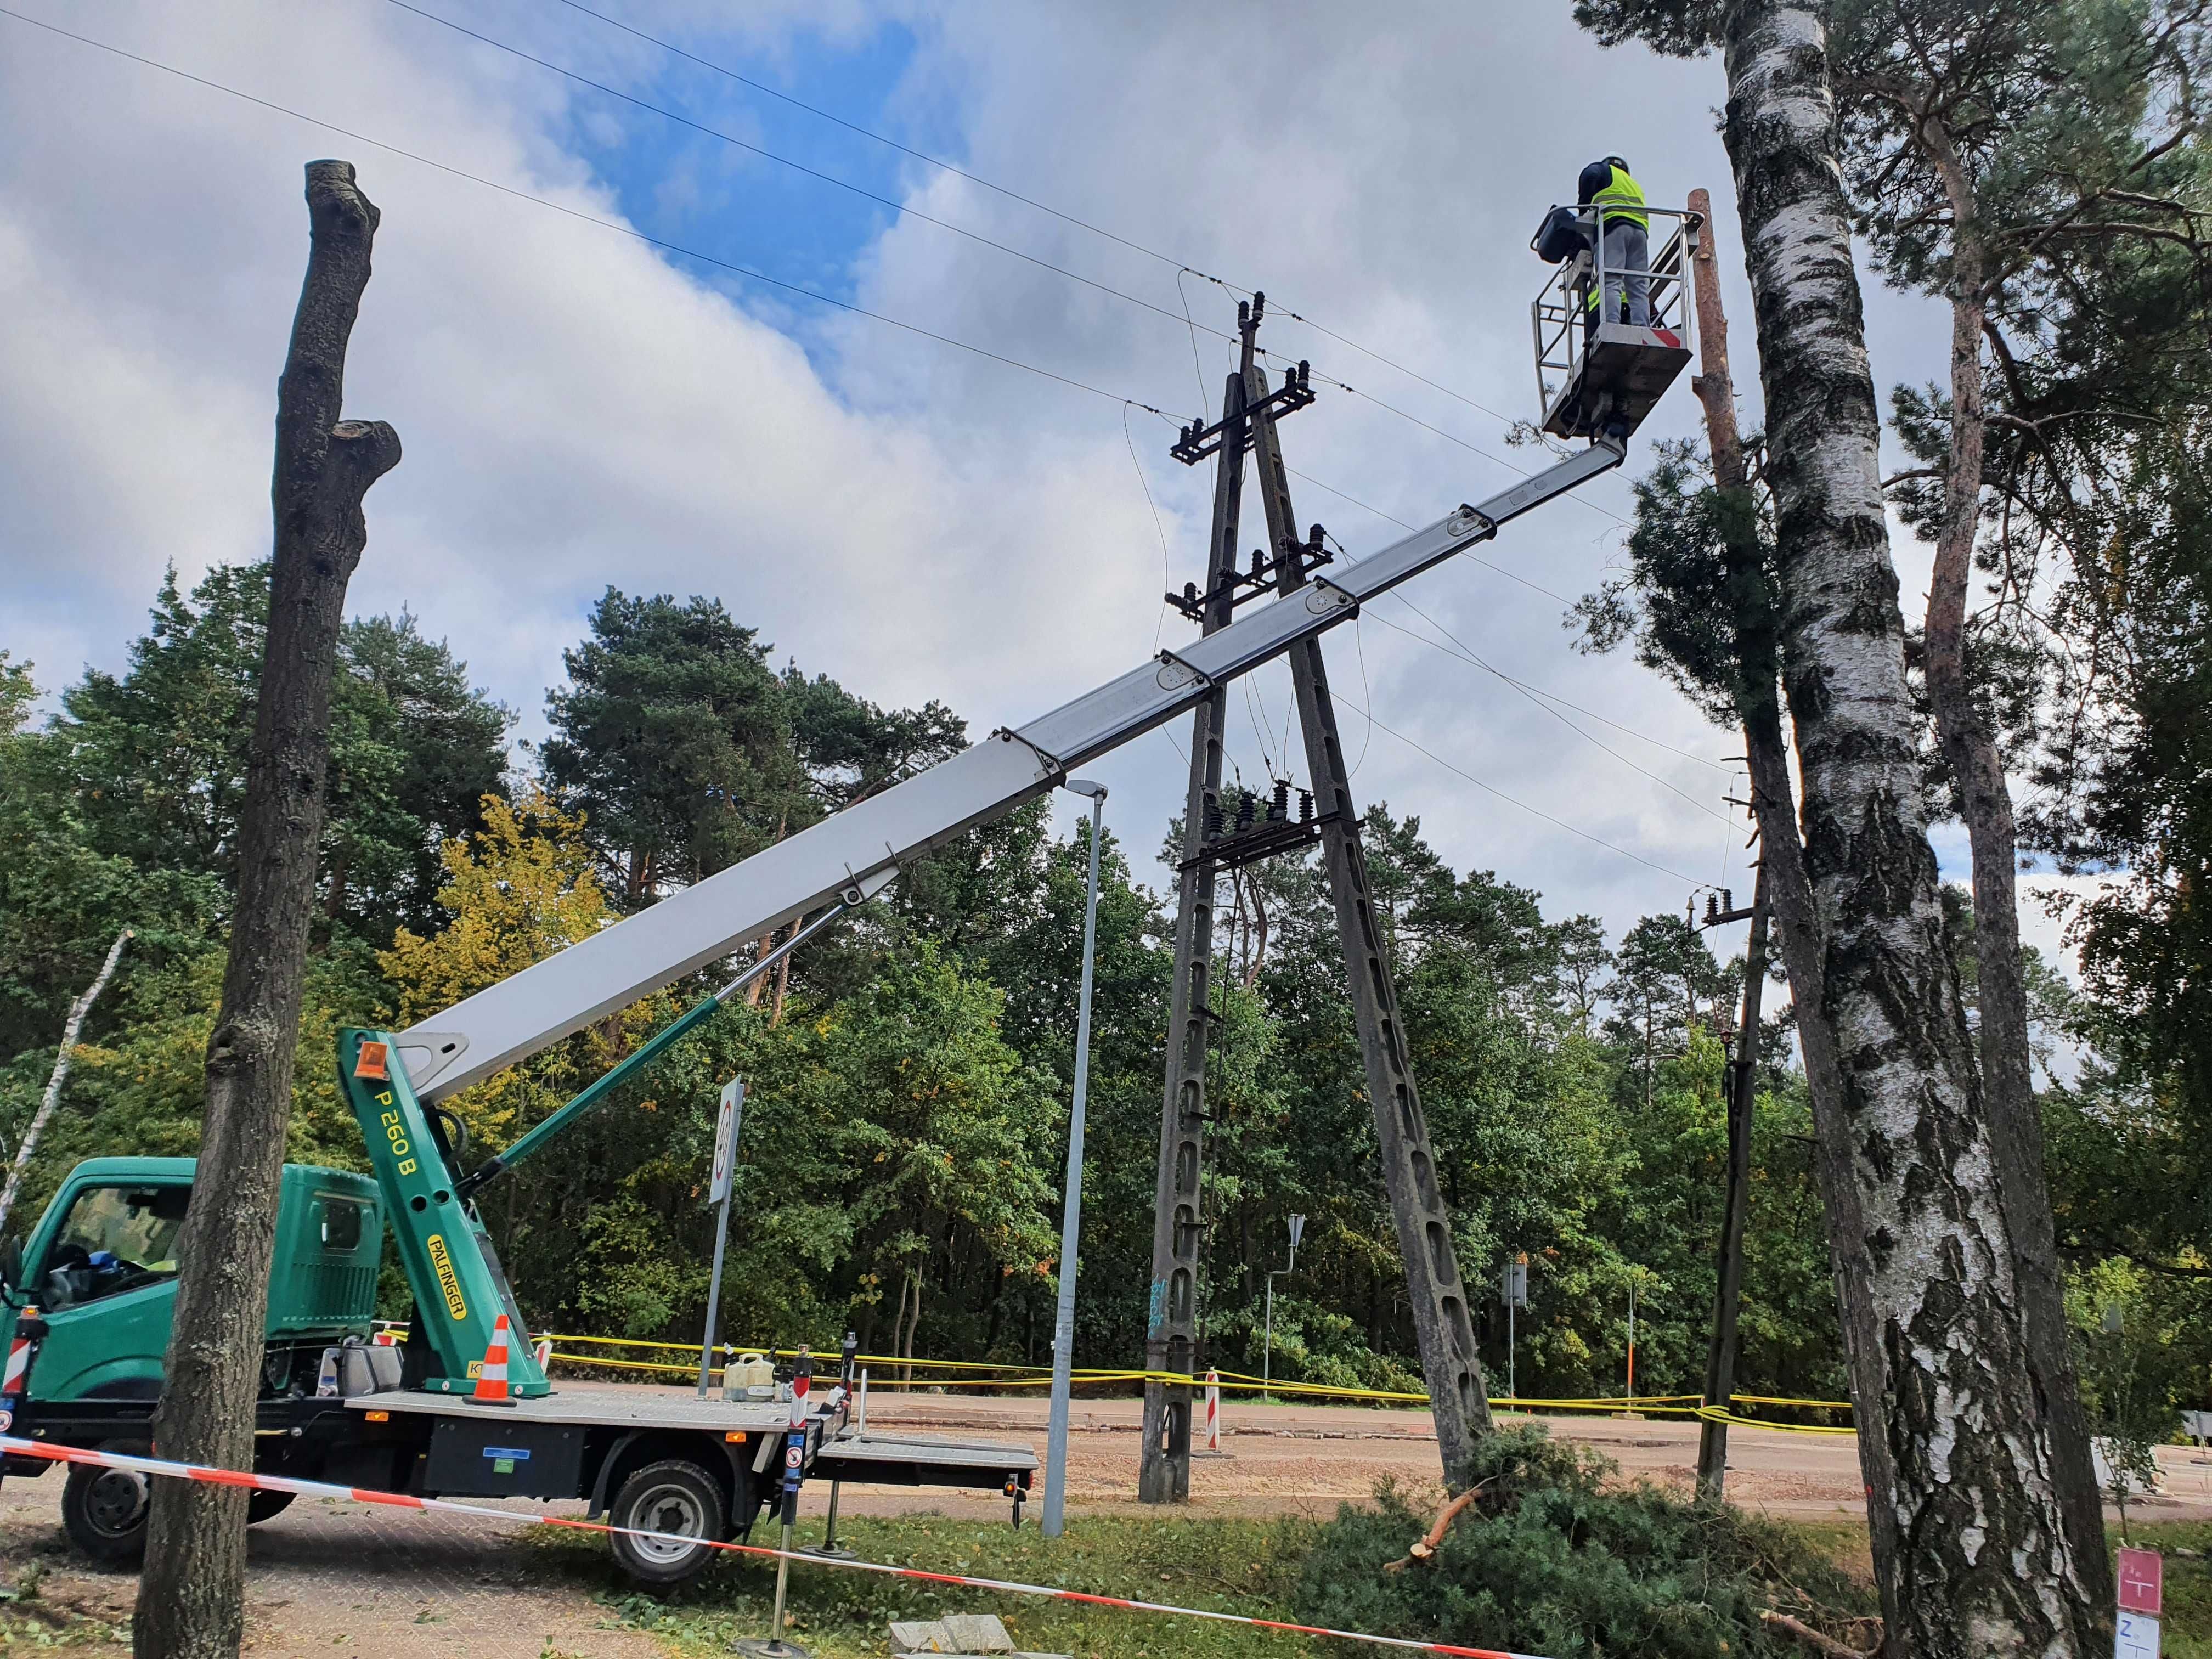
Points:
[[591, 393]]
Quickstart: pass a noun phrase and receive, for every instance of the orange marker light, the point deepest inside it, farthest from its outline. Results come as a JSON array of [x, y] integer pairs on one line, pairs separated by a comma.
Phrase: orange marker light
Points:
[[370, 1062], [378, 1417], [735, 1436]]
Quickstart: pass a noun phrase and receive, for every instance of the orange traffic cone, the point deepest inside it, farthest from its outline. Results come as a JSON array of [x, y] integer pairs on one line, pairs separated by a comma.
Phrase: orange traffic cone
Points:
[[491, 1376]]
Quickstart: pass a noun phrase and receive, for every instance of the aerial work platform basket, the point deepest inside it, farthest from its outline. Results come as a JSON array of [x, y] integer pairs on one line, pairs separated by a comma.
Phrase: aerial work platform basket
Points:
[[1597, 373]]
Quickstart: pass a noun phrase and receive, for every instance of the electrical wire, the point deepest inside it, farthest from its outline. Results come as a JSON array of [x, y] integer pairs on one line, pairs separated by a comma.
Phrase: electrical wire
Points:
[[895, 206], [1476, 449], [1197, 370], [1536, 702], [619, 228], [1191, 324], [1183, 266], [1359, 644], [1466, 654], [1693, 883], [751, 274], [1167, 559], [865, 132]]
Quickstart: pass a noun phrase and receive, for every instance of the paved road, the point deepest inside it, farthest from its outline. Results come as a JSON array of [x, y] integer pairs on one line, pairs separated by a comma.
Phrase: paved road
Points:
[[331, 1575]]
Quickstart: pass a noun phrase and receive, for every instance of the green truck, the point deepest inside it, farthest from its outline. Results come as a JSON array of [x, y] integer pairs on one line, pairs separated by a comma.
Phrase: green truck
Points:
[[85, 1310]]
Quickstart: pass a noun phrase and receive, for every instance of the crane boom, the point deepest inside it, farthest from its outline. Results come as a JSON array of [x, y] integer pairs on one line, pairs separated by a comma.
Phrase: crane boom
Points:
[[515, 1018]]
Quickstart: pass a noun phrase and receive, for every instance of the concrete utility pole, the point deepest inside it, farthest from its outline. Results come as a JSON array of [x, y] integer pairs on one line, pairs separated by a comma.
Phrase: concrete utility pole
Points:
[[1458, 1396], [1743, 1079], [1171, 1320]]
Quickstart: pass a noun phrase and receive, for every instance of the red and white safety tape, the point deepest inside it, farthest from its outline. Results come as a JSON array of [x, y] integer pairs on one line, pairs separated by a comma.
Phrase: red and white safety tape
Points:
[[154, 1465]]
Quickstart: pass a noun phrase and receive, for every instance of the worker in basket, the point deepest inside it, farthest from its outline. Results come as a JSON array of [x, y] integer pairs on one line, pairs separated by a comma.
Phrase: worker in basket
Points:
[[1611, 197]]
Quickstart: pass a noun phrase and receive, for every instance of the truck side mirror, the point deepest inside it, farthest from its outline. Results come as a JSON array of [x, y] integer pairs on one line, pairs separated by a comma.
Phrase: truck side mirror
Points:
[[11, 1263]]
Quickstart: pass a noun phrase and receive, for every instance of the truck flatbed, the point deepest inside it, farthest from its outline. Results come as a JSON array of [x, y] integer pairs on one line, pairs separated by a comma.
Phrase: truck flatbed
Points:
[[843, 1453], [614, 1407]]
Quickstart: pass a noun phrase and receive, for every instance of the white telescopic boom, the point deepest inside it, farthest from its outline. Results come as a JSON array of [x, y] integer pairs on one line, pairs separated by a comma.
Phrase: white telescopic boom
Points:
[[519, 1016]]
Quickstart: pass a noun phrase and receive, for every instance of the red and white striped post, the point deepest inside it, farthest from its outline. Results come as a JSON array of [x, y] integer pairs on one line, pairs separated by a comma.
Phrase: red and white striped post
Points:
[[18, 1369], [1213, 1411], [794, 1472]]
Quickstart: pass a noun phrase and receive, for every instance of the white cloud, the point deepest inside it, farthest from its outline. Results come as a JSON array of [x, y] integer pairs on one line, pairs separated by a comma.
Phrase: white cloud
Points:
[[919, 522]]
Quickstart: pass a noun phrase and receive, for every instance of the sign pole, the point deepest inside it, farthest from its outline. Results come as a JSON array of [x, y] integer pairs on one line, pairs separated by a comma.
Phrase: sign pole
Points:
[[718, 1192], [1070, 1218]]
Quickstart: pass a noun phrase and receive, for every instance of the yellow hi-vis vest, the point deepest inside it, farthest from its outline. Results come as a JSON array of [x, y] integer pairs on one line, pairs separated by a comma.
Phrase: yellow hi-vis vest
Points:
[[1621, 198]]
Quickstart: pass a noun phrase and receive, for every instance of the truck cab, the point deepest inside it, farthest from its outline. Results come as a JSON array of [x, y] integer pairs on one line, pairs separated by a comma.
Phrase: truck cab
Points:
[[86, 1305], [100, 1272]]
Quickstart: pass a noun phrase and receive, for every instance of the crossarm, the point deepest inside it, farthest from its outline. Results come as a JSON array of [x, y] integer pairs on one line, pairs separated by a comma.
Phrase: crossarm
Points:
[[519, 1016]]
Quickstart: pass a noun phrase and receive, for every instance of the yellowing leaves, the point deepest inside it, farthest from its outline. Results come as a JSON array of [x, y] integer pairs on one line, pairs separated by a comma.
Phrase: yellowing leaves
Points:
[[519, 889]]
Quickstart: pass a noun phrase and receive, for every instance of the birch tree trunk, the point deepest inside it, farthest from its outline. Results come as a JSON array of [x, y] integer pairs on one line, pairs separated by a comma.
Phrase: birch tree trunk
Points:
[[70, 1028], [192, 1593], [1957, 1451]]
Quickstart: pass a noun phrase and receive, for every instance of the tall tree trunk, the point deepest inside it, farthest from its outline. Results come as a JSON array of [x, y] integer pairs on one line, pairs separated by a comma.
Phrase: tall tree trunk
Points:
[[63, 1061], [1970, 750], [191, 1593], [1964, 1505]]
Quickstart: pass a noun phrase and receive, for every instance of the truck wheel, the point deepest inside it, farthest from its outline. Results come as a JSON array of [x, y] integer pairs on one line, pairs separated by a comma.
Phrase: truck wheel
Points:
[[104, 1511], [675, 1497], [266, 1505]]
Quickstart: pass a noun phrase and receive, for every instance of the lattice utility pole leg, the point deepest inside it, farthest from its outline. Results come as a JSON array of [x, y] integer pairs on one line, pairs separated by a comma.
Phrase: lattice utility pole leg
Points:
[[1442, 1324], [1171, 1324]]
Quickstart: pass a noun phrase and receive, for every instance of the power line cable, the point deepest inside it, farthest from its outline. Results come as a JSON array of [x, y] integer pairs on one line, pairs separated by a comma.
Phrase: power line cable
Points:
[[1197, 370], [785, 161], [865, 132], [1183, 266], [1478, 662], [1612, 846], [901, 208], [1167, 559], [616, 225], [1405, 415], [1466, 654]]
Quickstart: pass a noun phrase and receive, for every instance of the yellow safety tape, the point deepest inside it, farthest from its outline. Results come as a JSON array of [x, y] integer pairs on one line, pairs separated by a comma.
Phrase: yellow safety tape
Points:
[[1014, 1376]]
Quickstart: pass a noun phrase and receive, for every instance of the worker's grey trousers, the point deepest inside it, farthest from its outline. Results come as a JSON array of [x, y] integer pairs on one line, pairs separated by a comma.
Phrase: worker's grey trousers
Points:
[[1627, 266]]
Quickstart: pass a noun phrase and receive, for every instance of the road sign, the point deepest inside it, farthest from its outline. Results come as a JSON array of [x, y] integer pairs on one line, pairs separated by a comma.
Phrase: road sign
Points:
[[2135, 1636], [726, 1138], [2141, 1574]]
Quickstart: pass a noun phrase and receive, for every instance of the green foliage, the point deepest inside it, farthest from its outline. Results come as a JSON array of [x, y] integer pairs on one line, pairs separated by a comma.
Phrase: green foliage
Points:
[[154, 760], [1555, 1557], [687, 752], [900, 1162], [1675, 598]]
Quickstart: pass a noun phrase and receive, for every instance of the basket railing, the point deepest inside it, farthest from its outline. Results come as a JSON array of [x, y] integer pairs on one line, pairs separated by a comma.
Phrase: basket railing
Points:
[[1557, 315]]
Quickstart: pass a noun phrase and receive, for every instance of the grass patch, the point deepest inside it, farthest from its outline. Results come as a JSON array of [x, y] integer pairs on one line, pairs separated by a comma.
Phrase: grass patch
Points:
[[1230, 1565]]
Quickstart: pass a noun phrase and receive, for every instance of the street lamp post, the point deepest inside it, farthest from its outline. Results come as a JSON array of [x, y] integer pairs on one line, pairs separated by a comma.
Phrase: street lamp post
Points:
[[1267, 1352], [1071, 1221]]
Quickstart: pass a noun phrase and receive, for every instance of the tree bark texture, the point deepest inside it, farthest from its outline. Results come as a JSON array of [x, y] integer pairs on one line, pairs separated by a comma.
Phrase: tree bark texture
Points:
[[59, 1077], [190, 1595], [1964, 1486], [1970, 750]]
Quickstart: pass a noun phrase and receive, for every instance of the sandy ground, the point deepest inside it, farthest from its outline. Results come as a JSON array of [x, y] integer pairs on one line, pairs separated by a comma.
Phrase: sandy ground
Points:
[[329, 1576]]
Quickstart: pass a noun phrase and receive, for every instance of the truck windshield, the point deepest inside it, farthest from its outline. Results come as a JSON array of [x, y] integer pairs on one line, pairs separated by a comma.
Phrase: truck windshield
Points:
[[114, 1239]]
